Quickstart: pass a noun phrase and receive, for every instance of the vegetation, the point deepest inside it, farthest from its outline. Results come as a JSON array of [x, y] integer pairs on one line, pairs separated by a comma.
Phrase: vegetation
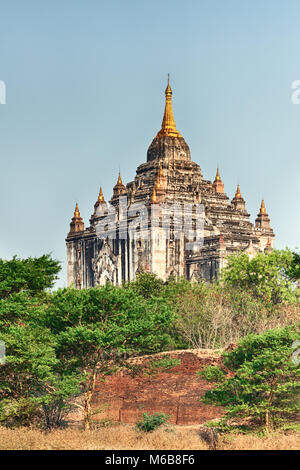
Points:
[[212, 374], [151, 422], [253, 295], [268, 276], [32, 275], [161, 365], [293, 270], [214, 316], [97, 329], [265, 387], [126, 437], [60, 343]]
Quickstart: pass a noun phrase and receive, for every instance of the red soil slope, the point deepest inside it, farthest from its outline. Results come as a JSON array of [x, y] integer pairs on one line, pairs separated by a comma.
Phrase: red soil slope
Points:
[[176, 392]]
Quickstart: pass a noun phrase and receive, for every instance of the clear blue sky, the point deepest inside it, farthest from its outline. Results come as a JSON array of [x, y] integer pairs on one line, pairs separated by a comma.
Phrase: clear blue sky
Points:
[[85, 95]]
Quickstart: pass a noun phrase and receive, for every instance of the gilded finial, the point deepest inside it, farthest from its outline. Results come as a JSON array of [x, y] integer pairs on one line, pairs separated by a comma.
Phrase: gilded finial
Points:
[[168, 127], [168, 89], [76, 212], [119, 182], [218, 185], [77, 224], [119, 188], [218, 177], [238, 192], [101, 197], [154, 197], [262, 208], [160, 171], [157, 183]]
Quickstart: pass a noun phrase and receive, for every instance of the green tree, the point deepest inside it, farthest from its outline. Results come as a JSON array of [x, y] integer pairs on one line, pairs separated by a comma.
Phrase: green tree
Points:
[[31, 274], [265, 386], [294, 270], [146, 285], [58, 341], [32, 383], [97, 329], [22, 309], [265, 275]]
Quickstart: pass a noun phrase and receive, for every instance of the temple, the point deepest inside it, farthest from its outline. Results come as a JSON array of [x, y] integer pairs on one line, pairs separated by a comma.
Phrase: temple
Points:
[[168, 182]]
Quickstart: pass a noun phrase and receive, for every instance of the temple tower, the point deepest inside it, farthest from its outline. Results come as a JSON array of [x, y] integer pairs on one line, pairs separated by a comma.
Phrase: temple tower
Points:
[[165, 184]]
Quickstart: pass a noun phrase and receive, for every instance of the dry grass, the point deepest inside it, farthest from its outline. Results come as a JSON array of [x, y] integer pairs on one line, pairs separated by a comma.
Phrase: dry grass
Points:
[[276, 442], [125, 437]]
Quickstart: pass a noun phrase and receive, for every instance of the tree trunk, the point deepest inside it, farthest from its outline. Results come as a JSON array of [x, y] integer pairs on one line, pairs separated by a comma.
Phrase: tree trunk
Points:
[[87, 411], [270, 401], [267, 421], [87, 401]]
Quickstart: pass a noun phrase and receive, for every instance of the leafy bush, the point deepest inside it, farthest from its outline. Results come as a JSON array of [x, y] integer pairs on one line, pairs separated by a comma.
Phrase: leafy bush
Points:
[[161, 365], [265, 386], [293, 270], [146, 285], [212, 374], [269, 276], [151, 422]]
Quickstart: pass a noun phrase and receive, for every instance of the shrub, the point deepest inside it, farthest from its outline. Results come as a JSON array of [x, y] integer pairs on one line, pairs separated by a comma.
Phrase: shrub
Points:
[[213, 316], [151, 422], [161, 365], [212, 374], [269, 276], [146, 285], [265, 386], [210, 436]]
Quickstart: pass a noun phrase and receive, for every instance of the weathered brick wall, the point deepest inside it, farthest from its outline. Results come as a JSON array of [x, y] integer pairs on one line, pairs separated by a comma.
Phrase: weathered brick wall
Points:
[[176, 392]]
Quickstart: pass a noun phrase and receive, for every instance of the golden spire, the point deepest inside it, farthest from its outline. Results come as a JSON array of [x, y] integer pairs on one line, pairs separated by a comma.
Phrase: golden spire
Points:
[[119, 188], [218, 185], [238, 192], [76, 212], [119, 182], [101, 197], [77, 224], [168, 126], [262, 208], [154, 196], [218, 178], [160, 171], [157, 183]]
